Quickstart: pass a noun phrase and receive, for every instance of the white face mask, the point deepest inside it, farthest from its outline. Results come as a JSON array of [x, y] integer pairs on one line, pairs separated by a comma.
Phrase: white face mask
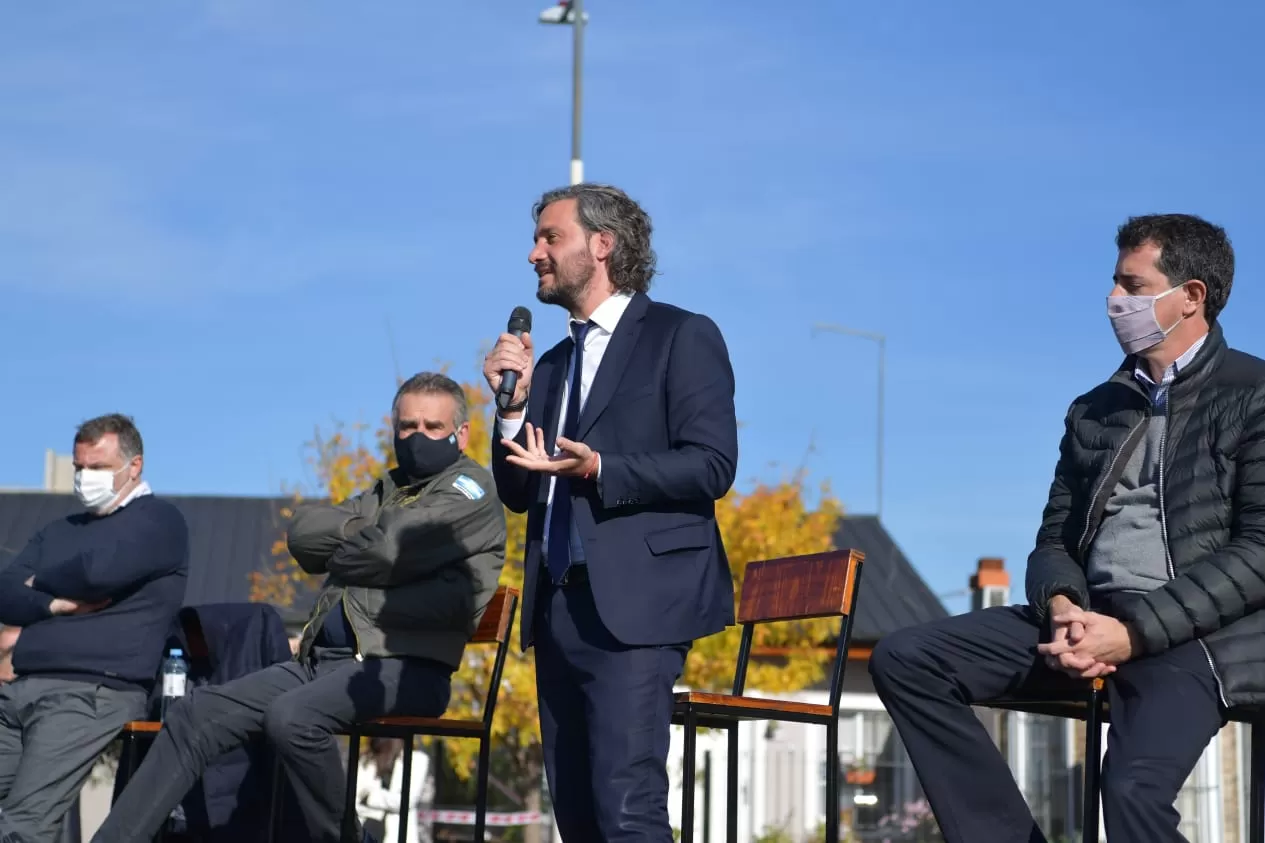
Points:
[[95, 488], [1135, 323]]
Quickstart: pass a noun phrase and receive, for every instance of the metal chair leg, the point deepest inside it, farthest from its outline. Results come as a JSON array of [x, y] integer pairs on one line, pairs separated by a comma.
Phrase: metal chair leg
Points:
[[687, 778], [274, 799], [127, 765], [1092, 764], [1256, 788], [832, 780], [731, 792], [481, 795], [350, 829], [405, 807]]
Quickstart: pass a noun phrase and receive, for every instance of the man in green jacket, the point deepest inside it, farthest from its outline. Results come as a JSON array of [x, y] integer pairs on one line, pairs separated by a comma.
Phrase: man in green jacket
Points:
[[411, 565]]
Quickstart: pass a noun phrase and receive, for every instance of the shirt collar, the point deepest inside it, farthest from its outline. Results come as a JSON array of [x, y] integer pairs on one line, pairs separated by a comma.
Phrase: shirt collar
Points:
[[141, 490], [1140, 372], [607, 314]]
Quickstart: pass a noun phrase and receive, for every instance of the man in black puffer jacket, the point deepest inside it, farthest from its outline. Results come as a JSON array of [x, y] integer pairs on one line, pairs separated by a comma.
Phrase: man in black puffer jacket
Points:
[[1149, 568]]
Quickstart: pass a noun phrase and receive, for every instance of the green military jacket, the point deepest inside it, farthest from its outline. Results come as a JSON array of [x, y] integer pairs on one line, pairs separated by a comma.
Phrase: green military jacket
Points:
[[414, 566]]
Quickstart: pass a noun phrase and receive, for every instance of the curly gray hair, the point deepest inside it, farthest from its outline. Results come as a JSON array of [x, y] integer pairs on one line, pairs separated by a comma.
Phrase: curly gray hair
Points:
[[603, 208]]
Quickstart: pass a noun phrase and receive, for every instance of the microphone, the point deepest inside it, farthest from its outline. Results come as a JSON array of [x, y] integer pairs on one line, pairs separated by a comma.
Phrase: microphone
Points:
[[519, 324]]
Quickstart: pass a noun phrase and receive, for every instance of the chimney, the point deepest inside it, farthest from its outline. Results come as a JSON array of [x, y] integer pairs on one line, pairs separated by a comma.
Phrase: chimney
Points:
[[59, 472], [990, 584]]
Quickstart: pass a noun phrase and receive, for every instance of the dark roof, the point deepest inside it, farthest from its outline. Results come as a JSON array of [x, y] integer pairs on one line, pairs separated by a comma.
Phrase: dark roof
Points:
[[229, 537], [893, 595]]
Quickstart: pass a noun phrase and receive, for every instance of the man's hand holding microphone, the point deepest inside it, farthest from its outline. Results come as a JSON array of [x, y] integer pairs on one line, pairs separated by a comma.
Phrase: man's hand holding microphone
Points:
[[508, 370], [508, 366]]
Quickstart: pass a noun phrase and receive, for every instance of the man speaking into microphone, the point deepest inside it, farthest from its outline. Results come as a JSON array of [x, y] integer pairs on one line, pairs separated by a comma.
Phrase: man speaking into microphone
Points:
[[616, 444]]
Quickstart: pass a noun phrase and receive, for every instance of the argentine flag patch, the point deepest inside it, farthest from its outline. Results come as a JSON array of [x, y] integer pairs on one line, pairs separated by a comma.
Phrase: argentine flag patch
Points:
[[468, 487]]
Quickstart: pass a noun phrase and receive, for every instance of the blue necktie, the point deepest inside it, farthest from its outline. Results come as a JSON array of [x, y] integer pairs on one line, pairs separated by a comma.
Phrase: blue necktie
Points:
[[559, 558]]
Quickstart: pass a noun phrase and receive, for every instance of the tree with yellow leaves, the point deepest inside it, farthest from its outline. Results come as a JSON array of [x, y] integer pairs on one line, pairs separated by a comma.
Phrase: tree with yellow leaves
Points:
[[770, 520]]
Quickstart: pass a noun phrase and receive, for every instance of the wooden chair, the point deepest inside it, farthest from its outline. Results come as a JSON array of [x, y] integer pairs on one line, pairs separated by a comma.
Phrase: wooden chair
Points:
[[494, 628], [1095, 711], [818, 585]]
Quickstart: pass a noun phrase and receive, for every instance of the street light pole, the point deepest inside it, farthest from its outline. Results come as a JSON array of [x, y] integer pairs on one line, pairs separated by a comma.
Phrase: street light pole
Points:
[[881, 341], [572, 12], [577, 87]]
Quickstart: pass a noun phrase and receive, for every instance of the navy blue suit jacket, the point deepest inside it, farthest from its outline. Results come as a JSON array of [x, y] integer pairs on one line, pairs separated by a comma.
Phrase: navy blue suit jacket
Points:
[[661, 414]]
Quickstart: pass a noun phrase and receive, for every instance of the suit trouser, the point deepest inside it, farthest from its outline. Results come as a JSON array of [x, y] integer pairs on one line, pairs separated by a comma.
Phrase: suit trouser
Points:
[[299, 707], [1164, 711], [52, 731], [605, 714]]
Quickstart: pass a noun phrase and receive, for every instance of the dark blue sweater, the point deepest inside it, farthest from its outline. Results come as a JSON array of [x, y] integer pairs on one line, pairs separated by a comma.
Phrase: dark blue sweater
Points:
[[137, 557]]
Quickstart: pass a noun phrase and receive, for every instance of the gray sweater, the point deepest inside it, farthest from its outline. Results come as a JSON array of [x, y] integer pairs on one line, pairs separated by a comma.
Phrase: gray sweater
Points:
[[1128, 552]]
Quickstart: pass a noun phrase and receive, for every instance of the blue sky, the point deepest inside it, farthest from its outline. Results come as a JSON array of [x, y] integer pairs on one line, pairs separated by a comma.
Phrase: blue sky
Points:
[[211, 212]]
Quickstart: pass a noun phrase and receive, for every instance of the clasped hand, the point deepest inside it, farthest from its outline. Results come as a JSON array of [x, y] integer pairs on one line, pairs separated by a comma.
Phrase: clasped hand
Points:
[[574, 459], [1085, 644]]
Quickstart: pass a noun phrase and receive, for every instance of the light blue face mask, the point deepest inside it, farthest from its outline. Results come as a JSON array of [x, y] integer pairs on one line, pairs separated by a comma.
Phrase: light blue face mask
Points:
[[1134, 321]]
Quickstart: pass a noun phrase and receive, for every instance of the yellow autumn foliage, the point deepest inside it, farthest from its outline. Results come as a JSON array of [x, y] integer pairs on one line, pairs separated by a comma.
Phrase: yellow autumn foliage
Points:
[[768, 521]]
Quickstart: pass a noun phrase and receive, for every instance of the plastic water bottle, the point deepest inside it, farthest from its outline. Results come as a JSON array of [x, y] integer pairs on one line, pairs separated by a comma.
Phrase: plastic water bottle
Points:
[[175, 672]]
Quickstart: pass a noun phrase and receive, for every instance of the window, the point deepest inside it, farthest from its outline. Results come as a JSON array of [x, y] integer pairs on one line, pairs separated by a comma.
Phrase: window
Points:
[[876, 778], [1199, 800], [994, 596], [1046, 777]]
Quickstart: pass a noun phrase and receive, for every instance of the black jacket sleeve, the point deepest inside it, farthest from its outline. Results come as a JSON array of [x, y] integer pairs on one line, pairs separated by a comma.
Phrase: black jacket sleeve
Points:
[[1226, 584], [21, 605], [1052, 569]]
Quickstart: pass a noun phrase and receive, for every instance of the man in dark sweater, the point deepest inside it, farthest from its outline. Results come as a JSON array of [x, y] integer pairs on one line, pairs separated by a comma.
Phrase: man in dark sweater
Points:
[[94, 595], [411, 565], [1149, 567]]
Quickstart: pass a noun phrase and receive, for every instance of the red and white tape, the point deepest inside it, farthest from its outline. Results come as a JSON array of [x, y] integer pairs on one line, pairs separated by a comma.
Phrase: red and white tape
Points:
[[492, 817]]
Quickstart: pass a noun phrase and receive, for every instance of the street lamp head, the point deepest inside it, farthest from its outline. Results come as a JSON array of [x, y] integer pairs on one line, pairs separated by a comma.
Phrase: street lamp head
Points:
[[561, 14]]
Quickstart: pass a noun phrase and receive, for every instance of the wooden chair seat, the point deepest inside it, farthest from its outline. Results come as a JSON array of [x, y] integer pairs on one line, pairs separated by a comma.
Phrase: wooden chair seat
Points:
[[143, 727], [407, 726], [1068, 709], [753, 708]]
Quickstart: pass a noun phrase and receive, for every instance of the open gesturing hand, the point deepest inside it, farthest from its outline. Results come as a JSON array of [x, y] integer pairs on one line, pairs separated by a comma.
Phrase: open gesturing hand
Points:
[[574, 459]]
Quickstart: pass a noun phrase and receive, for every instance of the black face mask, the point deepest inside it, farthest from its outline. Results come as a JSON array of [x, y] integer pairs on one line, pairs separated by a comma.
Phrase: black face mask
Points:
[[421, 457]]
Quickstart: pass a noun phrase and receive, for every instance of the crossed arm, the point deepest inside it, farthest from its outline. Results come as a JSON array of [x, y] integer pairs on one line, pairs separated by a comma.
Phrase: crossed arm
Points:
[[398, 545], [34, 588]]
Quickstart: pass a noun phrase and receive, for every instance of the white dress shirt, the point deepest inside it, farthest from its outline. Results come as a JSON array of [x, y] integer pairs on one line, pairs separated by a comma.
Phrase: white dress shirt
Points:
[[604, 319]]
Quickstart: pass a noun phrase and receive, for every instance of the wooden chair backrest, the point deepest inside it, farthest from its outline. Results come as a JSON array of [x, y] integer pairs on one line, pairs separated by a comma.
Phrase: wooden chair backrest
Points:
[[816, 585], [494, 626]]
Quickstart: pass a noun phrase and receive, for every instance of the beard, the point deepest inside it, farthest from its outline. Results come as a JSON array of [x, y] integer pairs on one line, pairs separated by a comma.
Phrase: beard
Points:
[[570, 282]]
